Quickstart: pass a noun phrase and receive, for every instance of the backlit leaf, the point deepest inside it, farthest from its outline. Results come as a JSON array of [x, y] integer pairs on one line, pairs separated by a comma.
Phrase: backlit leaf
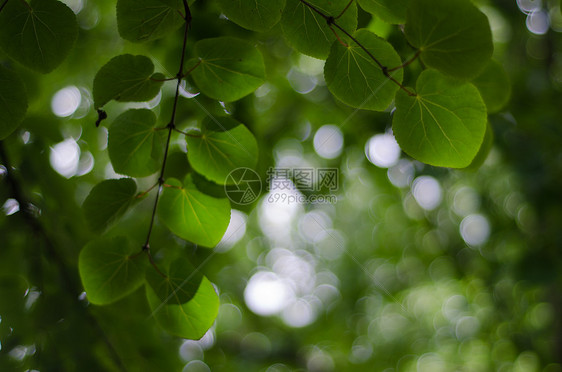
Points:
[[126, 78], [308, 32], [229, 68], [38, 34], [13, 102], [356, 79], [193, 215], [444, 124], [144, 20], [135, 147], [255, 15], [180, 284], [108, 201], [190, 320], [453, 36], [109, 271], [215, 154]]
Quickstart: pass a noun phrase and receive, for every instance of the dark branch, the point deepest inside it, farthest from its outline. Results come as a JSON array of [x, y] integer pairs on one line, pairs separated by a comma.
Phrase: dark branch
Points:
[[171, 127], [332, 22]]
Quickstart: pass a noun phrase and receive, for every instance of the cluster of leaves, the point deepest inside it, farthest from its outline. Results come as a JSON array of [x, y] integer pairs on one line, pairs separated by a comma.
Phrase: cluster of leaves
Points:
[[442, 121]]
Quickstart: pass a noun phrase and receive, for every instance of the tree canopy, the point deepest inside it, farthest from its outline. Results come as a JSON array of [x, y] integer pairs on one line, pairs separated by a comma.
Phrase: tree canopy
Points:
[[280, 185]]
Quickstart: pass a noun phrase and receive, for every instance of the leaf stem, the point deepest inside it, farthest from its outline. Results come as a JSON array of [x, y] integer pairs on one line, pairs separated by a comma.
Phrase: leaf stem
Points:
[[171, 126], [332, 22], [187, 134], [418, 52], [344, 9], [142, 194]]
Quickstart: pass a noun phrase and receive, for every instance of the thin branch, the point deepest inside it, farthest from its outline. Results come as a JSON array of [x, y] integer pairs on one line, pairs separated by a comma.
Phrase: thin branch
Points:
[[332, 21], [188, 134], [142, 194], [182, 76], [3, 5], [406, 63], [171, 126], [344, 9]]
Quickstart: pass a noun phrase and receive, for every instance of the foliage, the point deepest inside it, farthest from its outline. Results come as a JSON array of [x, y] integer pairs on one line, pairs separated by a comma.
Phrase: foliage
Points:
[[117, 257]]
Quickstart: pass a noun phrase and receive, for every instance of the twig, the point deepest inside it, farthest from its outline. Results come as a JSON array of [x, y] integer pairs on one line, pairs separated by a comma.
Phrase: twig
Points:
[[171, 126], [332, 21]]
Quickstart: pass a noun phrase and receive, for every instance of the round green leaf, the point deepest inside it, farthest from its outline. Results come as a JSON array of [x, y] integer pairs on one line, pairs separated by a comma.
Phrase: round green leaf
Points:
[[308, 32], [494, 86], [39, 34], [229, 68], [443, 124], [193, 215], [126, 78], [255, 15], [356, 79], [180, 284], [13, 102], [215, 154], [108, 201], [144, 20], [453, 36], [391, 11], [110, 269], [190, 320], [135, 146]]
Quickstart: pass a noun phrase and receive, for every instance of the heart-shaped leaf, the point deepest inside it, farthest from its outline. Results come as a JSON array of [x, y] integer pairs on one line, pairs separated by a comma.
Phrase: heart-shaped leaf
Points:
[[108, 201], [215, 154], [444, 124], [126, 78], [38, 34], [190, 320], [229, 68], [356, 79], [135, 146], [193, 215], [110, 270], [453, 36]]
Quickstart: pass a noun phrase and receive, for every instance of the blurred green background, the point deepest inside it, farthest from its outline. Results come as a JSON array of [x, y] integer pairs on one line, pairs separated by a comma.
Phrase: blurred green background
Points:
[[413, 268]]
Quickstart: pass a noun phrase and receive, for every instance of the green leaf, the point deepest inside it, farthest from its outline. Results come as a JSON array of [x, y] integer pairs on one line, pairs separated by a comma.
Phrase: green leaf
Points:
[[108, 201], [494, 86], [391, 11], [453, 36], [110, 269], [193, 215], [135, 146], [444, 124], [229, 68], [13, 102], [484, 151], [126, 78], [190, 320], [255, 15], [180, 284], [39, 34], [308, 32], [144, 20], [355, 79], [215, 154]]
